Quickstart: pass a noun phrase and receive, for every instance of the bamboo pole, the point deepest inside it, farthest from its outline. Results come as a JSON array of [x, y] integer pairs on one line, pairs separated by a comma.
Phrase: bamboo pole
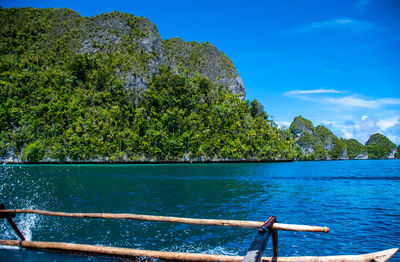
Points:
[[381, 256], [193, 221]]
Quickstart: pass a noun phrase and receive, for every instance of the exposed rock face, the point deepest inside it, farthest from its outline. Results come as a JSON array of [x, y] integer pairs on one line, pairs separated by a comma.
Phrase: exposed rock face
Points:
[[334, 147], [393, 154], [126, 33], [102, 30], [305, 149], [301, 125], [307, 140], [345, 155], [355, 149], [206, 60], [133, 43], [362, 156]]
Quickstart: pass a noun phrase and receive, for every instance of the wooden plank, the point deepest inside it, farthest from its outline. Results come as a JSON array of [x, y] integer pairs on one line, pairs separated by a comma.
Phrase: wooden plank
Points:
[[381, 256], [11, 222], [193, 221], [256, 250]]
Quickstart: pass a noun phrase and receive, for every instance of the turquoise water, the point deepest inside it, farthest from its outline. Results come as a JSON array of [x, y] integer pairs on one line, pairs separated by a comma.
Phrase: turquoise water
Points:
[[358, 200]]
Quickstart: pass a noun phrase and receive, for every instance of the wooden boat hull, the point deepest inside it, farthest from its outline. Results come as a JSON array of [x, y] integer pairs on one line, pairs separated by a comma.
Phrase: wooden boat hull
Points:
[[180, 256]]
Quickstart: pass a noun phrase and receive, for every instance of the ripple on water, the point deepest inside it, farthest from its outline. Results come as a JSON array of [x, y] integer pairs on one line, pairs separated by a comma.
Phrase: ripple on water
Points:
[[358, 200]]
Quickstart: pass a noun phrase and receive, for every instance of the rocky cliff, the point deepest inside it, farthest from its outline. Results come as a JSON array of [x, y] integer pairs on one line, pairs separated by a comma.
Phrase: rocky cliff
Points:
[[315, 143], [135, 40], [109, 89]]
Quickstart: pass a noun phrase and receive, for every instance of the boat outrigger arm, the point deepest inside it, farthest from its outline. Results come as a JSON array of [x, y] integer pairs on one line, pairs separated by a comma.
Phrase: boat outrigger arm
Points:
[[265, 230]]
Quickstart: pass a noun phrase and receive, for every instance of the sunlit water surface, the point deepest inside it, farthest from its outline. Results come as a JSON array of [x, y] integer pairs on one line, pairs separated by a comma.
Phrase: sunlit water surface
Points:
[[358, 200]]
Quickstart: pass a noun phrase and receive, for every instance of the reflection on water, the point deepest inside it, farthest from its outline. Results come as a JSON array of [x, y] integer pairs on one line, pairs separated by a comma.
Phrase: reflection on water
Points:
[[358, 200]]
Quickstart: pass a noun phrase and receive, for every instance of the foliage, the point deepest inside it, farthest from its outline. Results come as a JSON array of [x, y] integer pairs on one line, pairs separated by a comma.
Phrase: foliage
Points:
[[48, 37], [332, 144], [257, 109], [195, 58], [306, 138], [302, 123], [354, 148], [314, 145], [64, 94], [379, 146], [193, 118], [80, 111], [320, 143]]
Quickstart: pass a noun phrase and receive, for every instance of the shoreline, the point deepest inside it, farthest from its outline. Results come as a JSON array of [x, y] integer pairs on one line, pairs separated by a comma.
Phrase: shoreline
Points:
[[165, 162], [144, 162]]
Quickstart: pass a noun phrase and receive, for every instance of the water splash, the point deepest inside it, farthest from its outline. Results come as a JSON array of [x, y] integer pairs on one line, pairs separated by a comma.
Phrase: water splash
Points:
[[205, 249], [26, 223], [18, 189]]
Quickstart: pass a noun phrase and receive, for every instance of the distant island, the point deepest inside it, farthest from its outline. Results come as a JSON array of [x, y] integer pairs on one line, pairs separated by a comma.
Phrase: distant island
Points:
[[319, 143], [109, 89]]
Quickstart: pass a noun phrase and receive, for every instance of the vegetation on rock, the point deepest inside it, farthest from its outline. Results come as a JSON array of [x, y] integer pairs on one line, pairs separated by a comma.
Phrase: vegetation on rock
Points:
[[332, 144], [306, 138], [355, 149], [52, 36], [78, 110], [379, 146], [109, 88], [319, 143]]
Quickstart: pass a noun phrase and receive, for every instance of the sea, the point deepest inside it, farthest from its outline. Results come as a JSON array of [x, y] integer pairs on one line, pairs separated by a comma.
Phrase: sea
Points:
[[359, 200]]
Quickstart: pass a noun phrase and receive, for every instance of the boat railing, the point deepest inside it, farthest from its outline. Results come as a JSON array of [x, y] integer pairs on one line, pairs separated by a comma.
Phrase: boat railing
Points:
[[265, 229]]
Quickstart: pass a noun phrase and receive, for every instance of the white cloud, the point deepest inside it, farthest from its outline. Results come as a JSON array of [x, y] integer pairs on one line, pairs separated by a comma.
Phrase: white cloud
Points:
[[388, 101], [367, 126], [388, 123], [363, 127], [352, 115], [344, 21], [312, 91], [361, 130], [352, 101], [347, 134], [393, 132], [284, 124], [338, 23], [328, 123], [344, 101]]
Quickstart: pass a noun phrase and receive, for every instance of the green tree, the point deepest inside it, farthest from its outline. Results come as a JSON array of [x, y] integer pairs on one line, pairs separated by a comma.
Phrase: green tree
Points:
[[379, 146]]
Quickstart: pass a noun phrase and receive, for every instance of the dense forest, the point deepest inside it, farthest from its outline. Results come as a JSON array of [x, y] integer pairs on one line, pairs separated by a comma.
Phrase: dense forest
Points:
[[58, 104], [108, 88], [81, 112]]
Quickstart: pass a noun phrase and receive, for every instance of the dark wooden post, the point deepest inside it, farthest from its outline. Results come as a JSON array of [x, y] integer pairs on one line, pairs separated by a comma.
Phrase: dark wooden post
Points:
[[256, 250], [9, 216], [275, 242], [274, 233]]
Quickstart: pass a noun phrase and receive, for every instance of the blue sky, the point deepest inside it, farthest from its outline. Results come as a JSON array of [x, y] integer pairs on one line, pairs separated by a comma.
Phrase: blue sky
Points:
[[334, 62]]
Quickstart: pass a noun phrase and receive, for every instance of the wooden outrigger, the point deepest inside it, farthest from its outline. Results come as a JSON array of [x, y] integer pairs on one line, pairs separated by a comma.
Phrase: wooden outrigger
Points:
[[180, 256], [266, 229]]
